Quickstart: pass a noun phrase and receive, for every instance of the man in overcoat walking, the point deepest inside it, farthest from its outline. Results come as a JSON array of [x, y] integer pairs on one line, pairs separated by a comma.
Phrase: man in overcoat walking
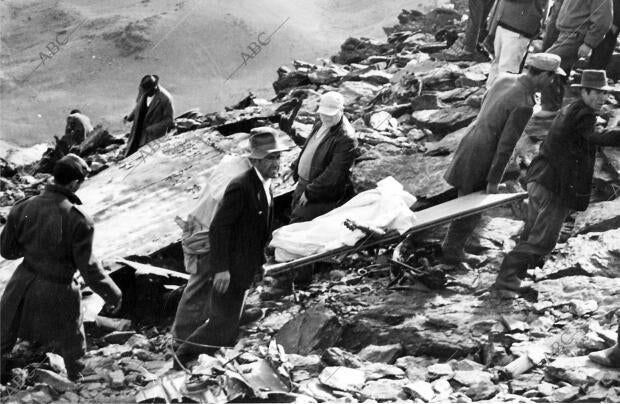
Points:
[[238, 235], [42, 300], [152, 116], [482, 156]]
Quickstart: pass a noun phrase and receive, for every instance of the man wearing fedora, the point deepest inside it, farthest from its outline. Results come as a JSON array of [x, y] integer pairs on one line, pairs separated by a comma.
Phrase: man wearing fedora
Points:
[[322, 170], [484, 152], [238, 235], [559, 180], [152, 116], [42, 300]]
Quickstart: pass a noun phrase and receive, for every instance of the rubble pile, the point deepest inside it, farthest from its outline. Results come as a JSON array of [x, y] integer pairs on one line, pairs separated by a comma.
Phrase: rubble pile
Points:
[[359, 332]]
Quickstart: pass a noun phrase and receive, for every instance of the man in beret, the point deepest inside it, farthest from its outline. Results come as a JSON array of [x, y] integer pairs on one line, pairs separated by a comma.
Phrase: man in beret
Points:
[[213, 299], [42, 300], [559, 180], [152, 116], [483, 154], [322, 170]]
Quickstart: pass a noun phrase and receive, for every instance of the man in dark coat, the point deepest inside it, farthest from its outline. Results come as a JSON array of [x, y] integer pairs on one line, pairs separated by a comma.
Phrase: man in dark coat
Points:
[[322, 170], [238, 235], [152, 116], [482, 156], [559, 180], [42, 300]]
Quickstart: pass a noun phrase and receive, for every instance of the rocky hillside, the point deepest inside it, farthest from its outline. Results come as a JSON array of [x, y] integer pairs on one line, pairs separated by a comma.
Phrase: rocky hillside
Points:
[[362, 331]]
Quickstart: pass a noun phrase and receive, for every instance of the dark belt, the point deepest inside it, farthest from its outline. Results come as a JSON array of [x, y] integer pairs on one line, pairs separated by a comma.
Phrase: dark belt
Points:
[[48, 277]]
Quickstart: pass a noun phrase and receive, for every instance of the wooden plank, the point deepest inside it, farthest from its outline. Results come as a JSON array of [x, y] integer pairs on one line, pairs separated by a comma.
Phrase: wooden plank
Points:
[[434, 216]]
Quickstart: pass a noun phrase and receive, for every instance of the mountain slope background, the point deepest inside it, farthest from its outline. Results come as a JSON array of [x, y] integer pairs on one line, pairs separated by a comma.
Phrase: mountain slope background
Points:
[[88, 54]]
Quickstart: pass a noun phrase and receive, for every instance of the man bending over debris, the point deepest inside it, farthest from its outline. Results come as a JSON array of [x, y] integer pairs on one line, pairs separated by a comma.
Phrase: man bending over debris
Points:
[[238, 235], [482, 156], [322, 170], [42, 301], [152, 116], [559, 179]]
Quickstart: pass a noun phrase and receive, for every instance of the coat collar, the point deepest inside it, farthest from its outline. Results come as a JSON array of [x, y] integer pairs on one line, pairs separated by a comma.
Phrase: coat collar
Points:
[[57, 189]]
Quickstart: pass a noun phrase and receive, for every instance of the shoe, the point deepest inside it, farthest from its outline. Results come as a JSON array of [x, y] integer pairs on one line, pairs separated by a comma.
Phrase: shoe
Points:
[[526, 292], [609, 357], [544, 114]]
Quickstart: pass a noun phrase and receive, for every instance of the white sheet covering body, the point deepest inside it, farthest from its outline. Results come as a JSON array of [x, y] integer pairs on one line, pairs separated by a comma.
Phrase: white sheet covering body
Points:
[[385, 207]]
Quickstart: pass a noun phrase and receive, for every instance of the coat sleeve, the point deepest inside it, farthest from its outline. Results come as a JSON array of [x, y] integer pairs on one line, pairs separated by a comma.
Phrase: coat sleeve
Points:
[[160, 127], [517, 120], [601, 14], [88, 265], [334, 174], [616, 19], [223, 225], [605, 137], [9, 246]]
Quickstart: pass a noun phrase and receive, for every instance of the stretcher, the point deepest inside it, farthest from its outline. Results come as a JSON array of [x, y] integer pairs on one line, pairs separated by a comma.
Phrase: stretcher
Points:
[[427, 218]]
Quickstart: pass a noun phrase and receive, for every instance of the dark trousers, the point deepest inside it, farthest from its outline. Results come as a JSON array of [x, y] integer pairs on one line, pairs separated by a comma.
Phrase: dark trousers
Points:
[[459, 232], [551, 32], [601, 55], [476, 25], [310, 210], [193, 309], [223, 312], [566, 46], [546, 214]]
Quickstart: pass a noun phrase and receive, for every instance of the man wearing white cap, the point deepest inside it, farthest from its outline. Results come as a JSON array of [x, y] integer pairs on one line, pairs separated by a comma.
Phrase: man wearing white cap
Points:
[[322, 170], [559, 180], [483, 154]]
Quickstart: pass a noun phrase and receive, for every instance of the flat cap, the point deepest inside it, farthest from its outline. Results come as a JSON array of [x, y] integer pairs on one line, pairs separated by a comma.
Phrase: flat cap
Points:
[[71, 167], [545, 61]]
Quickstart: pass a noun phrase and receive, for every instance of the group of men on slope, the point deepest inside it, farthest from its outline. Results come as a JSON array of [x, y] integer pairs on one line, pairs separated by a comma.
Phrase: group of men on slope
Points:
[[54, 236]]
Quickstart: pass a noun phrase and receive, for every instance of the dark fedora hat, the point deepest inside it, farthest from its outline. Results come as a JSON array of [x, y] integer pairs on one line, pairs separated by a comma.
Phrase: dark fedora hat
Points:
[[595, 79], [264, 141]]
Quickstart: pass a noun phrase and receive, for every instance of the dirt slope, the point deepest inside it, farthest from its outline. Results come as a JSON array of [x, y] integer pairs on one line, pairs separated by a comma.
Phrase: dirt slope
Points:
[[100, 50]]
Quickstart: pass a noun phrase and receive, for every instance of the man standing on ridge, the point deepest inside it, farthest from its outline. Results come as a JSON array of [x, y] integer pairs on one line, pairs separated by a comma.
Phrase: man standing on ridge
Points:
[[152, 116]]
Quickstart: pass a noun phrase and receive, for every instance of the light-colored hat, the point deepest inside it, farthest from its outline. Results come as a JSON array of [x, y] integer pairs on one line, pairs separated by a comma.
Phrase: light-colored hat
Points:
[[596, 79], [545, 61], [331, 103], [264, 141]]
